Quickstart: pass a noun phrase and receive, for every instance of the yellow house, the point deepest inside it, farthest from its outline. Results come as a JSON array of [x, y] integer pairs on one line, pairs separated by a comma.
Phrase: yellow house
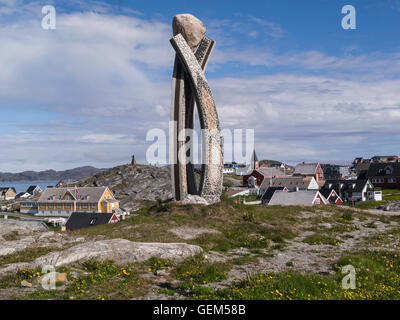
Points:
[[64, 201], [7, 193]]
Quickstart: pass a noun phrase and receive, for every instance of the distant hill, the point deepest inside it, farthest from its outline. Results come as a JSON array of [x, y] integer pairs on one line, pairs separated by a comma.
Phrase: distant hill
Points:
[[72, 174], [274, 163]]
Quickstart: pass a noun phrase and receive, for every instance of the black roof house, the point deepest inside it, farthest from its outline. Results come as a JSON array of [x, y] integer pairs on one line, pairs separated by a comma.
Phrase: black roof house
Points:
[[33, 188], [344, 188], [389, 170], [269, 193], [79, 220], [326, 192], [5, 189], [346, 185]]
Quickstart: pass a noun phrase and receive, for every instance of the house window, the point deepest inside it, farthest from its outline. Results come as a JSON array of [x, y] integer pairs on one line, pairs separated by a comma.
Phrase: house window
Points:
[[392, 180], [84, 205], [50, 206], [67, 205], [93, 205], [58, 205]]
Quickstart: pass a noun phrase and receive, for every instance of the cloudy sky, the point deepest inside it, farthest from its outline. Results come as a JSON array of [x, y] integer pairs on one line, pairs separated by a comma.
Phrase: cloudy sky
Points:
[[87, 92]]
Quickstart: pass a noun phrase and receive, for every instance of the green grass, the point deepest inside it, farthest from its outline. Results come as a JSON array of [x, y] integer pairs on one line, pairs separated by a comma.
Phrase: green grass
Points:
[[156, 264], [259, 229], [252, 197], [98, 281], [377, 277], [387, 195], [228, 183], [239, 225], [196, 270], [316, 239], [26, 255], [390, 191]]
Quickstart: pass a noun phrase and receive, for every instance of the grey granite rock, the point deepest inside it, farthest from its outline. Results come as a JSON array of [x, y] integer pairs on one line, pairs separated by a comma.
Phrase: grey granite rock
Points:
[[132, 184], [191, 28], [119, 250]]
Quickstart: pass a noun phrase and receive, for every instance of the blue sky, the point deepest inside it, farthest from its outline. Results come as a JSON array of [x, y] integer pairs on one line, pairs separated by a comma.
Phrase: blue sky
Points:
[[87, 92]]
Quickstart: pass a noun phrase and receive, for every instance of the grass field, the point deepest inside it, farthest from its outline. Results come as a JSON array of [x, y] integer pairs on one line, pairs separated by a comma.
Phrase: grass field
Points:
[[387, 195], [242, 259]]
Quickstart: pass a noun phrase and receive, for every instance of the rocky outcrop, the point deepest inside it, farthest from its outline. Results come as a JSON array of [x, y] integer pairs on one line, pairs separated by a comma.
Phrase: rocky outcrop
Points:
[[133, 183], [18, 227], [17, 235], [119, 250], [188, 233], [390, 206]]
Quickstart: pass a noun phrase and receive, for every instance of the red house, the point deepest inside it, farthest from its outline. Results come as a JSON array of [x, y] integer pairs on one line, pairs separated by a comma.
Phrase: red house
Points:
[[257, 176], [332, 196], [384, 175]]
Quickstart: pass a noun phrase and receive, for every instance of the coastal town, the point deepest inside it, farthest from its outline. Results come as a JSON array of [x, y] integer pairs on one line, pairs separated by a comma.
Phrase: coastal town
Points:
[[265, 182], [82, 207], [316, 183], [244, 151]]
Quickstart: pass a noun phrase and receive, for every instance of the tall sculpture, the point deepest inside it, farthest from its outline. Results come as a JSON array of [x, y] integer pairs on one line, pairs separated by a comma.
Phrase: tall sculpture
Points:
[[190, 88]]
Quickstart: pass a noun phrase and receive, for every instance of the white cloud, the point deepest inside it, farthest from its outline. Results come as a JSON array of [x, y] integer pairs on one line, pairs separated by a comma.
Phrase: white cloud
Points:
[[307, 116], [106, 80]]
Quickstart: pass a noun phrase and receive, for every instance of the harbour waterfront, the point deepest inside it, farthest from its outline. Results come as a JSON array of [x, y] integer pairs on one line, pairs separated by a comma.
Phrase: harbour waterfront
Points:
[[21, 186]]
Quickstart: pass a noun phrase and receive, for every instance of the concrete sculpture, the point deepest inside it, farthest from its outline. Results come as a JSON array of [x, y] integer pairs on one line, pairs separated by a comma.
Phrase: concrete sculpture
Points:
[[190, 88]]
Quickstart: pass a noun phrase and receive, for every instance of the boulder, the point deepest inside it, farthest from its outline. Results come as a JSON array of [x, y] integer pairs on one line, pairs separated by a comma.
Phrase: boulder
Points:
[[390, 206], [194, 199], [191, 28], [25, 283], [60, 277], [119, 250]]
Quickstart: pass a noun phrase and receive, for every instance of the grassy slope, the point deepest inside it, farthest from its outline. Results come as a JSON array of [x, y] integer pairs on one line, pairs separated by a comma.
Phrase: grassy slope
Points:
[[258, 229]]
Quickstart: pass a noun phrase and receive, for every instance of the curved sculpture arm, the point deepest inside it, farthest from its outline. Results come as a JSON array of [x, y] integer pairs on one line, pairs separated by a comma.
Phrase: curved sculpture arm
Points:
[[212, 155]]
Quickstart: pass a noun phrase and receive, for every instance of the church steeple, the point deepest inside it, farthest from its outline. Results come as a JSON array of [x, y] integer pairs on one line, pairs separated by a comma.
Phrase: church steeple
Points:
[[254, 161]]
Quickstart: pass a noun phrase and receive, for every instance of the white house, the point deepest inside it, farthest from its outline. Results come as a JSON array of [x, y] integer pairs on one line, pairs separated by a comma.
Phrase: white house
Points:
[[22, 195], [289, 182], [297, 198], [34, 190]]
